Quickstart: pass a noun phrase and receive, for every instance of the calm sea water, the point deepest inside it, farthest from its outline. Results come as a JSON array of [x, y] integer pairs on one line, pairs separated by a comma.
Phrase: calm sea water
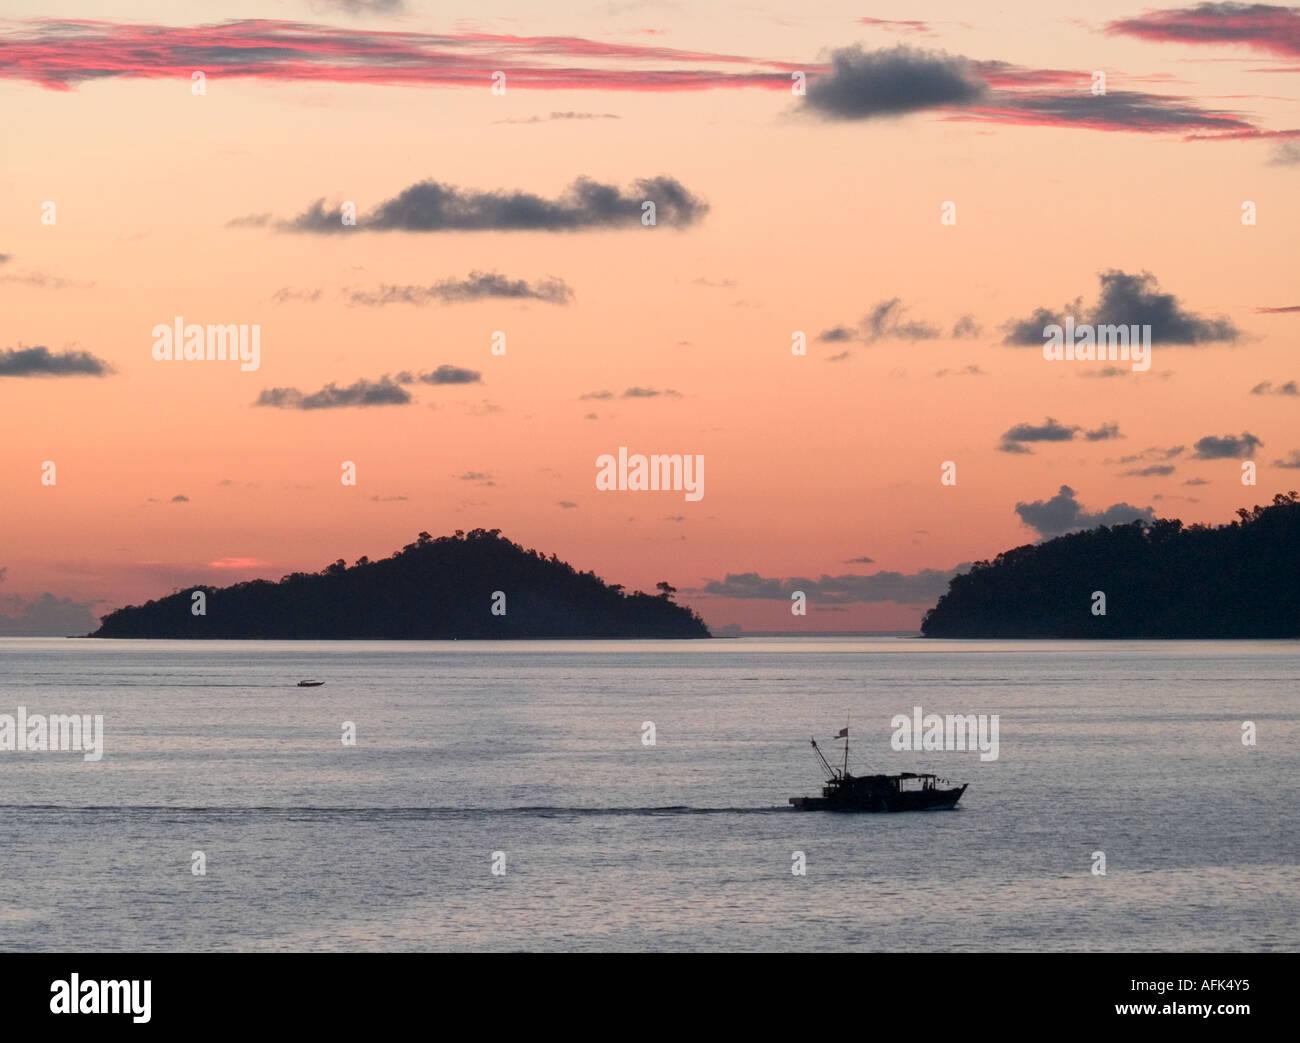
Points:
[[535, 750]]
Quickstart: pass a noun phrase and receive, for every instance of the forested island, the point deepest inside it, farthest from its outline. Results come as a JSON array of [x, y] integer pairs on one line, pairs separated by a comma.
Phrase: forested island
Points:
[[478, 585], [1159, 579]]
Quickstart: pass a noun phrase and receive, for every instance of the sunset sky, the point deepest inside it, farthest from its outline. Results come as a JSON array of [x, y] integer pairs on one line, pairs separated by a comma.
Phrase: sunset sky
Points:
[[776, 212]]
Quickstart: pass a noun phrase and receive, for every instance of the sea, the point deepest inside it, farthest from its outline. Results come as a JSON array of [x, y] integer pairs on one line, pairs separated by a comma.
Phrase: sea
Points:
[[633, 796]]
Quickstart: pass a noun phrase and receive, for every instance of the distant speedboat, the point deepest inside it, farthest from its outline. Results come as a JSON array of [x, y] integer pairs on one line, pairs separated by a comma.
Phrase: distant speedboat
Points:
[[310, 684], [905, 792]]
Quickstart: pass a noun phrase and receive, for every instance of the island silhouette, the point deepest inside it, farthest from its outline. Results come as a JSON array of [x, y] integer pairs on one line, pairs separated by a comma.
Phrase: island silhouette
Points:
[[476, 585], [1157, 579]]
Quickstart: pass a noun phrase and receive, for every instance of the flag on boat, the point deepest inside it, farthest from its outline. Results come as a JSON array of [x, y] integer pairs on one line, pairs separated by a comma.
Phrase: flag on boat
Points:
[[843, 734]]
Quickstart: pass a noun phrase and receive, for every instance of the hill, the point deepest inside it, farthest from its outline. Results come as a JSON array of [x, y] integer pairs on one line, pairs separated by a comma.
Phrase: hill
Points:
[[431, 589], [1160, 579]]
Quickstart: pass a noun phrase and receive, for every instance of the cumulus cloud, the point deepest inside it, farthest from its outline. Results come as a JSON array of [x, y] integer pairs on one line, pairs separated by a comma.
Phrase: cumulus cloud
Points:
[[1229, 447], [891, 82], [430, 206], [1125, 300], [1290, 462], [1063, 513], [41, 362], [382, 392]]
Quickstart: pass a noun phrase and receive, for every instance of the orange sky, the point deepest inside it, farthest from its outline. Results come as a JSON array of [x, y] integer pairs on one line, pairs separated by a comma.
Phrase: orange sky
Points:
[[812, 222]]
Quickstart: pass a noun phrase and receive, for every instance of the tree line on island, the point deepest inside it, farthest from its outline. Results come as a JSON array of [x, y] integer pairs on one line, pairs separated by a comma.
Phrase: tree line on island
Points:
[[474, 585], [1158, 579]]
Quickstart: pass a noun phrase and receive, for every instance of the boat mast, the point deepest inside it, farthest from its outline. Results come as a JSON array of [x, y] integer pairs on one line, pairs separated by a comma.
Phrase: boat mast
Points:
[[830, 772], [846, 745]]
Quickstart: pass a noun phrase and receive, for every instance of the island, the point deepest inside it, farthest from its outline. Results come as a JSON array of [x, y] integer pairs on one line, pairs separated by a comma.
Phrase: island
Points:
[[1157, 579], [478, 585]]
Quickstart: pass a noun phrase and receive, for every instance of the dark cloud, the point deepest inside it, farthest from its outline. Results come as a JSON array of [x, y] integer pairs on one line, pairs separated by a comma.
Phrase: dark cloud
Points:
[[1049, 430], [640, 392], [1129, 300], [1267, 388], [431, 206], [886, 321], [890, 82], [48, 616], [1103, 433], [474, 287], [864, 560], [1152, 471], [965, 328], [1196, 481], [1291, 462], [180, 499], [41, 362], [1229, 447], [383, 392], [442, 375], [568, 505], [477, 477], [1063, 513], [916, 588], [595, 394]]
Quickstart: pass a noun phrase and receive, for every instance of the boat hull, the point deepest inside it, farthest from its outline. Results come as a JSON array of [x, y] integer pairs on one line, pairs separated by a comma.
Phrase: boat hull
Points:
[[906, 800]]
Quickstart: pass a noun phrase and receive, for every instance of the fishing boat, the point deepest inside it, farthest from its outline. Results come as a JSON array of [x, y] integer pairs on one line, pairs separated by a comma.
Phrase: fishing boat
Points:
[[310, 684], [908, 791]]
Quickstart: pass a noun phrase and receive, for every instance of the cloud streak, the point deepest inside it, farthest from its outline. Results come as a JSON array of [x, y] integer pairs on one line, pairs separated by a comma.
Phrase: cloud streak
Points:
[[477, 286], [1261, 27], [59, 54]]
